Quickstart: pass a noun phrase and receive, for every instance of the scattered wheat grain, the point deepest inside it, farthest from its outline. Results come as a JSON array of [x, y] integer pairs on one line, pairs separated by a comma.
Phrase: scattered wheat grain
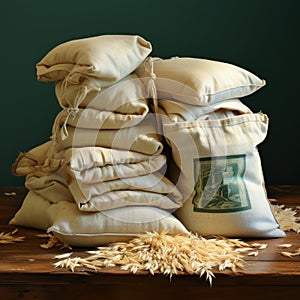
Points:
[[166, 254], [9, 237]]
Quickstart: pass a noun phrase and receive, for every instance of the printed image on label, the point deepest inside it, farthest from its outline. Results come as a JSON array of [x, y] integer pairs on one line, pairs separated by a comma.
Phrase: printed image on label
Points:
[[220, 186]]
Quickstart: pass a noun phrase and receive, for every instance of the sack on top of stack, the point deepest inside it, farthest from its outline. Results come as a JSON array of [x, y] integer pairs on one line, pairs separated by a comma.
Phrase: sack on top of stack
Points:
[[198, 81], [107, 58]]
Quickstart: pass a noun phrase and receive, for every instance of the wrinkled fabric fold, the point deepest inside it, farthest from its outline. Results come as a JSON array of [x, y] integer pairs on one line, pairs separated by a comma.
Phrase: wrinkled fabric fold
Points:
[[143, 138]]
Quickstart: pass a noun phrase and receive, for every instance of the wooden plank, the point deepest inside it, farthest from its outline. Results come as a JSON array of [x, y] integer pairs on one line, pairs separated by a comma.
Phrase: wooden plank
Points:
[[285, 194], [133, 287], [147, 291]]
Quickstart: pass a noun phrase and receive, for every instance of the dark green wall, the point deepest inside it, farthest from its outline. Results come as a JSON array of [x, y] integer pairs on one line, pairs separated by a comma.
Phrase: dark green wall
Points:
[[259, 35]]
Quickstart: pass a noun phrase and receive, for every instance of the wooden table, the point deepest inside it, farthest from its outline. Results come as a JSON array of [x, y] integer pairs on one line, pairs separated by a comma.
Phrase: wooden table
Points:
[[27, 271]]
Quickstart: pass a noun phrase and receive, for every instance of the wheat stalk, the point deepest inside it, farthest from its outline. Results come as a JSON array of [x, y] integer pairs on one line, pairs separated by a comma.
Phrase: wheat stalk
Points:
[[287, 218], [53, 241], [9, 237], [291, 254]]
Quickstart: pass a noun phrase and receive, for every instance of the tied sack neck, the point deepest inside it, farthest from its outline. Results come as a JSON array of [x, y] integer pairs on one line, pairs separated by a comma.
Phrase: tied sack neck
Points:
[[85, 85], [151, 89]]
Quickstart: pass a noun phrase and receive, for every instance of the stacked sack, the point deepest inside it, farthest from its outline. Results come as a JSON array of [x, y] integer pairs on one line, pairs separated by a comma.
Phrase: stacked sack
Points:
[[101, 176], [213, 138]]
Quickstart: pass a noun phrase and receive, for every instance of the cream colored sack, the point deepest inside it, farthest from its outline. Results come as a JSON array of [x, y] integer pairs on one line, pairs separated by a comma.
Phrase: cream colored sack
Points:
[[142, 138], [117, 171], [107, 57], [127, 96], [89, 118], [92, 63], [198, 81], [180, 112], [47, 159], [151, 189], [220, 176], [87, 229], [92, 229]]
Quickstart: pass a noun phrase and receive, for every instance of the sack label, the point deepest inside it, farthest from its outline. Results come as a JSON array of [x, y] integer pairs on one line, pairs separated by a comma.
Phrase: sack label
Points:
[[219, 184]]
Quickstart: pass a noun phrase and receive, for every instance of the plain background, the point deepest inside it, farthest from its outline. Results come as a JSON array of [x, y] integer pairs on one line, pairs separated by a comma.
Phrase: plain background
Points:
[[259, 35]]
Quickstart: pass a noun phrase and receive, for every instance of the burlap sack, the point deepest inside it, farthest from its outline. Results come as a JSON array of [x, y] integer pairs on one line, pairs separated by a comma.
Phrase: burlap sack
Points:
[[33, 212]]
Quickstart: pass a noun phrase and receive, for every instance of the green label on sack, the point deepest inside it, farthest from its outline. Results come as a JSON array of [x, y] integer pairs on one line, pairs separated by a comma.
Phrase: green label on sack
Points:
[[220, 186]]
